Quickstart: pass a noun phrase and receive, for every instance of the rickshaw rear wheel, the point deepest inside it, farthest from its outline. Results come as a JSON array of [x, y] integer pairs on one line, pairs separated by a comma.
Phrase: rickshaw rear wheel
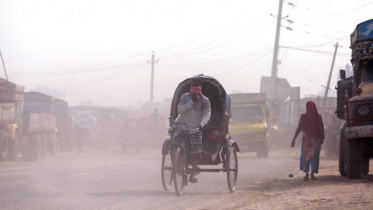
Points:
[[232, 169], [166, 172], [178, 171]]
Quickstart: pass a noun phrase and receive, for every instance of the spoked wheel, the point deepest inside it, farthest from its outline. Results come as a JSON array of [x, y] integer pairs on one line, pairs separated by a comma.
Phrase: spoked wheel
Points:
[[166, 171], [232, 169], [179, 172]]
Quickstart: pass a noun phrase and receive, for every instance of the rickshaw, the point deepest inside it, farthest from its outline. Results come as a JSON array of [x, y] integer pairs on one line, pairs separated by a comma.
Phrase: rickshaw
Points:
[[218, 149]]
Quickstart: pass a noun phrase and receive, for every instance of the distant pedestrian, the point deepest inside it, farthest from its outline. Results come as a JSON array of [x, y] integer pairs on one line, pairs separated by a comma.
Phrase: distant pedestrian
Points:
[[311, 124]]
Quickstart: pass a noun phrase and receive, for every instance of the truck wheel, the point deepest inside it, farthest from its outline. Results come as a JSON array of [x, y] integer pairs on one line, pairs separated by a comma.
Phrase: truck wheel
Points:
[[259, 153], [51, 148], [35, 147], [44, 145], [342, 153], [265, 151], [26, 150], [3, 145], [14, 148], [365, 165], [353, 158]]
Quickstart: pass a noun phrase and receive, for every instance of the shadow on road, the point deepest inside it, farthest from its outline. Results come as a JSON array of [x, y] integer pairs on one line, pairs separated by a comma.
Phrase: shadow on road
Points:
[[298, 183], [132, 194], [148, 194]]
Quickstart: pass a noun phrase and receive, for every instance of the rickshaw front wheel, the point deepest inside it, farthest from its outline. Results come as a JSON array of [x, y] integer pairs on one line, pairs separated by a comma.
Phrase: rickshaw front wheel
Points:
[[166, 171], [232, 169], [179, 171]]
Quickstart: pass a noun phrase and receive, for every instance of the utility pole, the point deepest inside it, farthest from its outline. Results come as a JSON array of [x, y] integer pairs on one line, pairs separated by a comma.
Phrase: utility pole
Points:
[[2, 60], [277, 41], [330, 76], [152, 77]]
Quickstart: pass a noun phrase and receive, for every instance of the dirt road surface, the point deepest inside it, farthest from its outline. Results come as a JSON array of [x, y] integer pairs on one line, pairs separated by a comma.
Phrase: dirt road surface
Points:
[[115, 180]]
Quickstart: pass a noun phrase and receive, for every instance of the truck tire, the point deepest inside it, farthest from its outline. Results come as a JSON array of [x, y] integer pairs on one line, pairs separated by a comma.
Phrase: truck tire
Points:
[[14, 148], [365, 165], [3, 145], [51, 149], [26, 150], [342, 153], [353, 158], [32, 150], [44, 145], [265, 150], [259, 153]]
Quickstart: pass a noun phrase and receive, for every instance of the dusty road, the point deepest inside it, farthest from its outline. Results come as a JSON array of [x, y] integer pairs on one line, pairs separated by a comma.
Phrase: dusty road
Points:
[[114, 180]]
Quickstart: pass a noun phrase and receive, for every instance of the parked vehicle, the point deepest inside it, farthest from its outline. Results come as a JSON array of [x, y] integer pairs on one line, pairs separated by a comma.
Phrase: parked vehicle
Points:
[[354, 105], [63, 123], [248, 125], [39, 125], [11, 105], [88, 123]]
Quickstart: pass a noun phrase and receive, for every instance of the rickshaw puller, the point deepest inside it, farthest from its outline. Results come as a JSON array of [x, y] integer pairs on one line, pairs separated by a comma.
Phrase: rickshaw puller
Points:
[[195, 110]]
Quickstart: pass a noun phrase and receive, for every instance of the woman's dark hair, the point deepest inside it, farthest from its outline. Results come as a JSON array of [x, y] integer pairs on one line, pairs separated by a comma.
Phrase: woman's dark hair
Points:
[[197, 80]]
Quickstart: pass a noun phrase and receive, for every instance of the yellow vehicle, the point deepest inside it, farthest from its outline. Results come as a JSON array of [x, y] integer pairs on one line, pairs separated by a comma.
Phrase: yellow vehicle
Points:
[[248, 125]]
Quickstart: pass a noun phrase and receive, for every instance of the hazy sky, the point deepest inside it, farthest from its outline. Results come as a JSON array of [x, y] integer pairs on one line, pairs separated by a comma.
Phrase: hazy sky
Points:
[[98, 50]]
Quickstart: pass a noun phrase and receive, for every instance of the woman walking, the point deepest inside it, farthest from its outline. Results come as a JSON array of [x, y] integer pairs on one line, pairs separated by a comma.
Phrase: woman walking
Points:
[[311, 124]]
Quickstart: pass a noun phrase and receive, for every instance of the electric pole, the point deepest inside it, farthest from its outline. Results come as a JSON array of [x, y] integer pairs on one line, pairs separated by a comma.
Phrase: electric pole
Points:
[[330, 76], [277, 41], [152, 77], [2, 60]]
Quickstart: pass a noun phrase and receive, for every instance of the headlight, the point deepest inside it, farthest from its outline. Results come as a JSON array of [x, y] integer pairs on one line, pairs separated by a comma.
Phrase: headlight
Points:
[[363, 111]]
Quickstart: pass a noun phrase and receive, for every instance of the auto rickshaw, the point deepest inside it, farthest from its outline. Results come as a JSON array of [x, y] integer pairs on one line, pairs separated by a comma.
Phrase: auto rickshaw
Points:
[[218, 148]]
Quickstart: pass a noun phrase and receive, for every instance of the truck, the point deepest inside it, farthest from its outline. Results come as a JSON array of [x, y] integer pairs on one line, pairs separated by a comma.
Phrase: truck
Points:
[[248, 125], [86, 121], [63, 123], [11, 105], [355, 105], [39, 125]]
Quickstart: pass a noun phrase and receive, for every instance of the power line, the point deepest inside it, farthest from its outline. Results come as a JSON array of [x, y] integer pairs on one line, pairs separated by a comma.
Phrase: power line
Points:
[[306, 32], [306, 69], [217, 62], [245, 78], [307, 50], [325, 43], [99, 80], [234, 40], [75, 72], [322, 27], [232, 71], [183, 43]]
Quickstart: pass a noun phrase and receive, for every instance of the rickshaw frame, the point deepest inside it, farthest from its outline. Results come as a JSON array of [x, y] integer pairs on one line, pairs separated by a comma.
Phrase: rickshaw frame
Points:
[[224, 149]]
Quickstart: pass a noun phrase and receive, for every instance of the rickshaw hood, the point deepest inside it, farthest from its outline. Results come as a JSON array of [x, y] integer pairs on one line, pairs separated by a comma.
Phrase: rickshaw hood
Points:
[[210, 82]]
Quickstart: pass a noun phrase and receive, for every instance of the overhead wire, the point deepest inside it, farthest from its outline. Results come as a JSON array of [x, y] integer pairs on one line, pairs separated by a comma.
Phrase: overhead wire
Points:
[[186, 42], [93, 70], [179, 55], [304, 69], [233, 71], [100, 80], [308, 50], [218, 62]]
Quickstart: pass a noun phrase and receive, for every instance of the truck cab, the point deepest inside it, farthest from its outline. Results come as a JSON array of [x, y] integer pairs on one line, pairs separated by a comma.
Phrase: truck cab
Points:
[[355, 105], [248, 125]]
